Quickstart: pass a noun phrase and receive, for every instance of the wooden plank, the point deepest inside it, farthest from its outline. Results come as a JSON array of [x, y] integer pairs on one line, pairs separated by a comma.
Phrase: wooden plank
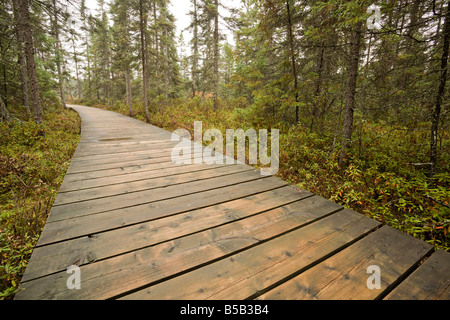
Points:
[[124, 169], [122, 164], [141, 133], [108, 278], [134, 176], [109, 220], [124, 140], [245, 274], [234, 175], [75, 168], [431, 281], [120, 157], [101, 151], [55, 257], [344, 275], [127, 187]]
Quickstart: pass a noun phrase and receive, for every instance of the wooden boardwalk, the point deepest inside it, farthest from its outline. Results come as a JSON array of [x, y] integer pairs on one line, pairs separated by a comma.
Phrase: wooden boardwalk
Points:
[[141, 227]]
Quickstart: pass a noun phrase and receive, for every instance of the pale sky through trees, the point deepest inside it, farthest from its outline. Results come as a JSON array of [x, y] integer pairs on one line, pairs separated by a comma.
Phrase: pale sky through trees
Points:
[[180, 9]]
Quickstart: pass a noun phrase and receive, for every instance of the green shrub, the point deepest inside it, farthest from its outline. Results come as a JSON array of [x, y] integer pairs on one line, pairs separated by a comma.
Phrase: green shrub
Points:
[[33, 162]]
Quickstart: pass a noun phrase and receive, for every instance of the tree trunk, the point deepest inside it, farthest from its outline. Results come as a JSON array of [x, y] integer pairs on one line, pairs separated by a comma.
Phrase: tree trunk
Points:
[[216, 54], [195, 53], [24, 26], [75, 58], [59, 57], [315, 111], [142, 24], [5, 77], [4, 113], [22, 63], [95, 76], [157, 52], [292, 54], [24, 81], [440, 94], [86, 39], [88, 60], [353, 65], [128, 89]]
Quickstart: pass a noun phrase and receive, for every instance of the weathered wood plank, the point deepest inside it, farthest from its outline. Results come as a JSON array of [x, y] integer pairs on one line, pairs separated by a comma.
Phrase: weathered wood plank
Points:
[[122, 164], [344, 275], [118, 149], [233, 176], [119, 162], [53, 258], [92, 224], [430, 281], [124, 168], [129, 140], [127, 187], [122, 156], [108, 278], [76, 185], [245, 274]]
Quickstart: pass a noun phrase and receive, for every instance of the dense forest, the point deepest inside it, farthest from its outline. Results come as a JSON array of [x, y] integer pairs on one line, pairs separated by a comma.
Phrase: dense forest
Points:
[[358, 90]]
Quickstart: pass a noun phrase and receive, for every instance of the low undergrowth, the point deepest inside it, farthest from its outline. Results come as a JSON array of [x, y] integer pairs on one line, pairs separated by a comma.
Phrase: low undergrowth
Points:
[[383, 178], [33, 162]]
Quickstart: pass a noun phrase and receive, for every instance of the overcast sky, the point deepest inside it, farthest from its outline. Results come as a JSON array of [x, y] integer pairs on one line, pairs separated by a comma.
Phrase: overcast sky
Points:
[[180, 9]]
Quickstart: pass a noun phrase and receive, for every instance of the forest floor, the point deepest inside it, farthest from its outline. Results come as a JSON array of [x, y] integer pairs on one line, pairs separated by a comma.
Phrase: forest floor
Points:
[[33, 162]]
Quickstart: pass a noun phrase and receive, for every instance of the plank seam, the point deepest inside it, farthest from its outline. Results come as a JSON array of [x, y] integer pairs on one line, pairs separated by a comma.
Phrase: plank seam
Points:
[[224, 256], [119, 174], [151, 178], [154, 188], [313, 264], [112, 157], [112, 153], [169, 215], [146, 162], [122, 167], [405, 275], [175, 238]]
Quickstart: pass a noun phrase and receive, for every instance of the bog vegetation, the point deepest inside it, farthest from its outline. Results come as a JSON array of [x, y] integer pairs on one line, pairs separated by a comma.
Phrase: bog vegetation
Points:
[[362, 107], [33, 161]]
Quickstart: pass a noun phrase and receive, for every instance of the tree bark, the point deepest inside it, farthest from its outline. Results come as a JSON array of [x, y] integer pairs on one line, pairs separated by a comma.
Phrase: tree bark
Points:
[[22, 62], [75, 58], [216, 54], [24, 81], [440, 94], [23, 22], [353, 65], [59, 57], [4, 113], [195, 53], [292, 54], [142, 24], [315, 111], [128, 89], [87, 29], [158, 68]]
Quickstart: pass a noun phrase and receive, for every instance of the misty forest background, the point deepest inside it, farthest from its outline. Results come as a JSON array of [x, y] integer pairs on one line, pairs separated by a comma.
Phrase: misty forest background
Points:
[[362, 112]]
